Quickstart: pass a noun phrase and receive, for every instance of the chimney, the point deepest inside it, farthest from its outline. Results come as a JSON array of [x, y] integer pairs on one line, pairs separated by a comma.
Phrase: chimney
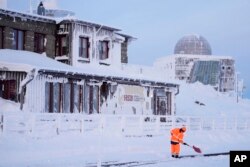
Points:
[[41, 9]]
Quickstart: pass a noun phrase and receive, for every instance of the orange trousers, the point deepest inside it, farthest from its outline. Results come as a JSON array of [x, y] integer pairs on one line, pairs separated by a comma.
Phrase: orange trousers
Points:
[[175, 149]]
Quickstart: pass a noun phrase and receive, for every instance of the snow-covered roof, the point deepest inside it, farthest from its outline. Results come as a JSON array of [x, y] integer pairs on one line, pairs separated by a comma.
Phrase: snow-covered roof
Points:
[[13, 60], [126, 36], [201, 57], [29, 16], [72, 20], [58, 20]]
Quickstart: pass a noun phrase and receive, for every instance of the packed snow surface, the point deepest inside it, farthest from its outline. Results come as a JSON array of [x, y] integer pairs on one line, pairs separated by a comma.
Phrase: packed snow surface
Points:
[[102, 147]]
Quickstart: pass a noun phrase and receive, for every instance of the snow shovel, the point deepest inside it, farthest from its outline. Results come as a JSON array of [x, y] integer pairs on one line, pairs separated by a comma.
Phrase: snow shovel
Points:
[[196, 149]]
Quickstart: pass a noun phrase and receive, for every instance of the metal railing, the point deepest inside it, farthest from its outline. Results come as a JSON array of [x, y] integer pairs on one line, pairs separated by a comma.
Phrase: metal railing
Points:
[[55, 124]]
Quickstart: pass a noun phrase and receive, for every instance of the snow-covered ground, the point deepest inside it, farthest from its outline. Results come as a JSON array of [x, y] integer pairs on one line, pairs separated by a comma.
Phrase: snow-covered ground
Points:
[[100, 148], [86, 150]]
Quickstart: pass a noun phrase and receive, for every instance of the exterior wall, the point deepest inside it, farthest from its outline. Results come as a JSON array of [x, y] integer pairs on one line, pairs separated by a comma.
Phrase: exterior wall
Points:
[[29, 27], [106, 97], [183, 66], [132, 99], [29, 41], [227, 77], [74, 31], [166, 64], [124, 52]]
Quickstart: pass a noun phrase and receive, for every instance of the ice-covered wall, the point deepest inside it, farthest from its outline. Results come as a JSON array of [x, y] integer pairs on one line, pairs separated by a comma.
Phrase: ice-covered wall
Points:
[[95, 35], [180, 66]]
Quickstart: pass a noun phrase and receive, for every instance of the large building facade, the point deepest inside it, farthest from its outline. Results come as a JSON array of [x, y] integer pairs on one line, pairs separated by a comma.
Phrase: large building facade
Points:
[[193, 61], [79, 70]]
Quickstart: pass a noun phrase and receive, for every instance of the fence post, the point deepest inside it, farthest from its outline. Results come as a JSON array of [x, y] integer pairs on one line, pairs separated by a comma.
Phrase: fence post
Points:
[[58, 124], [172, 122], [158, 122], [188, 124], [102, 121], [225, 123], [141, 119], [32, 123], [123, 124], [1, 124], [82, 125], [236, 124]]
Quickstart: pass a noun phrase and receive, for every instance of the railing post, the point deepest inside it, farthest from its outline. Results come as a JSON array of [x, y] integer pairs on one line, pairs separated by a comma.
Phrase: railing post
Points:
[[141, 119], [101, 123], [236, 124], [188, 124], [225, 123], [31, 125], [1, 124], [172, 122], [82, 124], [58, 124], [158, 118], [123, 124], [213, 124]]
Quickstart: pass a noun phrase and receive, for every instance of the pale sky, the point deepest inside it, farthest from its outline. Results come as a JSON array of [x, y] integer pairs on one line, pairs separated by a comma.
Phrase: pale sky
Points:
[[159, 24]]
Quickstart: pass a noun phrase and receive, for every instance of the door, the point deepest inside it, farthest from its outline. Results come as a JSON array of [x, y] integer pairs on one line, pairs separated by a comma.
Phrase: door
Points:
[[161, 105]]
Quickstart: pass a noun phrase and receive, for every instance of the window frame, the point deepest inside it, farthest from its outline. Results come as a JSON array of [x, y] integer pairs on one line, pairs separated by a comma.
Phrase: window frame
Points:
[[59, 47], [87, 46], [102, 54], [16, 38], [37, 45]]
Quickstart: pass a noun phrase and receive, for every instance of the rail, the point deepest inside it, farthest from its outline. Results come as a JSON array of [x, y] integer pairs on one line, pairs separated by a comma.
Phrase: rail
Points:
[[55, 124]]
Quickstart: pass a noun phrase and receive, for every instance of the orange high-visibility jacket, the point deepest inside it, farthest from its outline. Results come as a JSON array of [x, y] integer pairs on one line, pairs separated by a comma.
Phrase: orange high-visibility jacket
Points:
[[176, 135]]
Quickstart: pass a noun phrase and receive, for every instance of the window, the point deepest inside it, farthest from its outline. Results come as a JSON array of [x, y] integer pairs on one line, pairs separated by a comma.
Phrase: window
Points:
[[63, 97], [39, 43], [18, 40], [83, 47], [103, 50], [61, 46], [1, 38], [8, 90]]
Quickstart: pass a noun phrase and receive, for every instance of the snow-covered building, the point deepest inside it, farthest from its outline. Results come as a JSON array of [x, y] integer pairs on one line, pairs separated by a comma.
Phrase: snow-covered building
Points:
[[193, 61], [83, 71]]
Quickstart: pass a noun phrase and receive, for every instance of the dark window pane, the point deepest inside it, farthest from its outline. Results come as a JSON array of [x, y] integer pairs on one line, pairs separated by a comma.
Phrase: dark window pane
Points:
[[1, 37], [83, 47], [14, 41], [39, 43], [20, 40], [103, 50], [61, 46]]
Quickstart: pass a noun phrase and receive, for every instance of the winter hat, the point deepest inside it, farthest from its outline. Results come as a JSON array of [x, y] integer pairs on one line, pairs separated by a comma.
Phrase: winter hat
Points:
[[184, 129]]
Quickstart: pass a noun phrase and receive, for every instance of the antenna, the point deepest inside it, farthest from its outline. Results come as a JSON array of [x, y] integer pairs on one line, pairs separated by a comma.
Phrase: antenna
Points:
[[3, 4], [30, 6]]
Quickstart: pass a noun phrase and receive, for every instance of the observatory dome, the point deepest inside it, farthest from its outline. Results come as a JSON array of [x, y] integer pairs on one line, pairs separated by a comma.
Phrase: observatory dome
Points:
[[193, 44]]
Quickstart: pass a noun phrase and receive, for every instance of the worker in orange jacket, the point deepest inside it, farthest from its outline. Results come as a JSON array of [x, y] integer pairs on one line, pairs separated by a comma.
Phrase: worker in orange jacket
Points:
[[177, 135]]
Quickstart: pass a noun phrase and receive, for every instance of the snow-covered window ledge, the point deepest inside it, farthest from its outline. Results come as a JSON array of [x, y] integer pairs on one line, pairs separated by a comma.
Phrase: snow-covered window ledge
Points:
[[64, 57], [82, 59], [105, 61]]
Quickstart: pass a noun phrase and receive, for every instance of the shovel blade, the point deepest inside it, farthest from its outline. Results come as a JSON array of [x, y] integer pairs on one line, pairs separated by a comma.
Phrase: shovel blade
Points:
[[196, 149]]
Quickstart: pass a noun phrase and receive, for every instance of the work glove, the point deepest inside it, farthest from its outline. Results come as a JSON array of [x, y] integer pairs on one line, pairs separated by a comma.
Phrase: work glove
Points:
[[181, 141]]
